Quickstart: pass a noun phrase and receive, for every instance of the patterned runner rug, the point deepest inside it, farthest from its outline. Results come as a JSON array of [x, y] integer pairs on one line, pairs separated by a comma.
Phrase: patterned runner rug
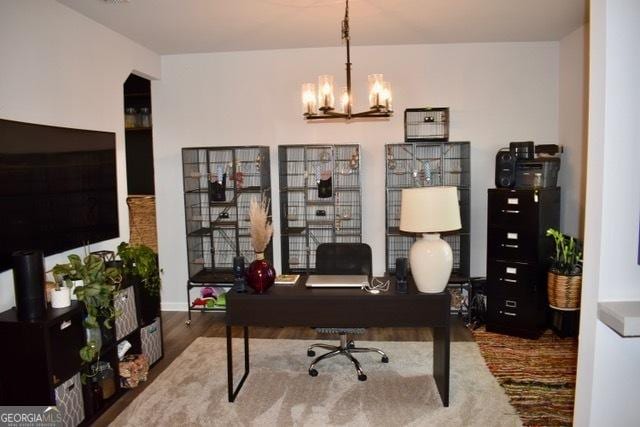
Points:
[[539, 376]]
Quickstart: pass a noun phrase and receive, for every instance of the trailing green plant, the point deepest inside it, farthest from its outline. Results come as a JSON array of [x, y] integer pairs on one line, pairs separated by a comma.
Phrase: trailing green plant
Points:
[[141, 261], [97, 293], [568, 254]]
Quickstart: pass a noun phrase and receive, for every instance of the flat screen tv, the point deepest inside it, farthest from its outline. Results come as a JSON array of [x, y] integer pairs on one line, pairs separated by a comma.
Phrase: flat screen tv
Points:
[[58, 188]]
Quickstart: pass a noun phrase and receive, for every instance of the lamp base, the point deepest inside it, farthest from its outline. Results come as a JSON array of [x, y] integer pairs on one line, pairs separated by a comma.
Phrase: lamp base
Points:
[[431, 262]]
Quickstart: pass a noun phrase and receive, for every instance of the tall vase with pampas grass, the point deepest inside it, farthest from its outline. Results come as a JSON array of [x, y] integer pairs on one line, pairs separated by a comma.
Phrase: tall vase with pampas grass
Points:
[[260, 274]]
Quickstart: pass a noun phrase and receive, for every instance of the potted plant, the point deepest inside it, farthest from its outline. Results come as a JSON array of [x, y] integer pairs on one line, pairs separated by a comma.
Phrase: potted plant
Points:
[[71, 273], [100, 285], [564, 279], [140, 267]]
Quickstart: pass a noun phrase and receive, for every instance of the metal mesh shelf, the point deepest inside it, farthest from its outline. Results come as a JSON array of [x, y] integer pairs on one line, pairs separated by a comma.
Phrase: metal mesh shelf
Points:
[[309, 218]]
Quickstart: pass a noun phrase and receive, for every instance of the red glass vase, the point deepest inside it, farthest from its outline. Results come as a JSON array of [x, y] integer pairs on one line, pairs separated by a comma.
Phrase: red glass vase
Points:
[[260, 274]]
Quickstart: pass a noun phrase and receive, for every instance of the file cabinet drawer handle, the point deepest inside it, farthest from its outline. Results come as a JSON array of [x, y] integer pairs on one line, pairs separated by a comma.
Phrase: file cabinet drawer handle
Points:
[[510, 304], [510, 211], [504, 245], [510, 280], [508, 313]]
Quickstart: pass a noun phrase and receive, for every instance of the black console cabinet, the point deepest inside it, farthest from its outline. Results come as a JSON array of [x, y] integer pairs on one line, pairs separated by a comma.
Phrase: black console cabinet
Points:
[[39, 356], [517, 258]]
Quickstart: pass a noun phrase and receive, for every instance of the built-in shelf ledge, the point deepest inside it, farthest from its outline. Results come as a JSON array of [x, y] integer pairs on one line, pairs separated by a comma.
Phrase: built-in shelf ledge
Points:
[[621, 316]]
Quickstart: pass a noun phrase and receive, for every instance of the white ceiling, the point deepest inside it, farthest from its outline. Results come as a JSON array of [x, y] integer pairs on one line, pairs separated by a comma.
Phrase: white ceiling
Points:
[[189, 26]]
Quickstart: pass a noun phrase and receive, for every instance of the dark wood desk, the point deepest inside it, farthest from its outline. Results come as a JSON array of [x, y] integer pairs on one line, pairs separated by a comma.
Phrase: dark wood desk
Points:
[[341, 308]]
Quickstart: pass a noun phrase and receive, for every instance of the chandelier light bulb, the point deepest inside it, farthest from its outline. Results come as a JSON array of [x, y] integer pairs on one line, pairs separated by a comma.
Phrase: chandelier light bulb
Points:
[[376, 82], [345, 100], [309, 98], [325, 92], [385, 96]]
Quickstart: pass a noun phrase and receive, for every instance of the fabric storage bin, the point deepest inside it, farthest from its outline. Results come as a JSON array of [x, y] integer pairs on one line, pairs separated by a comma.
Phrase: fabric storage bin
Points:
[[69, 401], [127, 321], [151, 337]]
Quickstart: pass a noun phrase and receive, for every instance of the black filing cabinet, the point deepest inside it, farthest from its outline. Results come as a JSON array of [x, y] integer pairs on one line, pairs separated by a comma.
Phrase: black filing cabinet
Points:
[[517, 258]]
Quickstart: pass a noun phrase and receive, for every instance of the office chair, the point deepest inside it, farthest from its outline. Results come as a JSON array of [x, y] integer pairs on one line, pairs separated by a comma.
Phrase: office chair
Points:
[[343, 258]]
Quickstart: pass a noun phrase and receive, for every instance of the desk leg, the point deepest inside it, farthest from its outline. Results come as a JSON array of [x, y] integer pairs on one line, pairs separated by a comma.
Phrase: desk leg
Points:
[[441, 344], [233, 393]]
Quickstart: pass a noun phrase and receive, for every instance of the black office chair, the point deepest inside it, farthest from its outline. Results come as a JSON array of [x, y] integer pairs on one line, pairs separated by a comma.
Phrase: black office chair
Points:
[[343, 258]]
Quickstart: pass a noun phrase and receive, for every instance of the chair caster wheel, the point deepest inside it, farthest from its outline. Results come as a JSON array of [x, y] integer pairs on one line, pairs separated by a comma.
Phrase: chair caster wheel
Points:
[[351, 344], [188, 322], [362, 377], [313, 372], [385, 359], [311, 353]]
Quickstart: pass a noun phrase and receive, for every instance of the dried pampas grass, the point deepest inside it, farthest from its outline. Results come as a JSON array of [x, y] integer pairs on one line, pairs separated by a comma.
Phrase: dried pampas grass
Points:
[[260, 226]]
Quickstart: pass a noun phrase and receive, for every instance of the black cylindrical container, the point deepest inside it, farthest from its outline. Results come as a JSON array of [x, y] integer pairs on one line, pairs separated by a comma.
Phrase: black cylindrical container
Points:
[[523, 150], [28, 283]]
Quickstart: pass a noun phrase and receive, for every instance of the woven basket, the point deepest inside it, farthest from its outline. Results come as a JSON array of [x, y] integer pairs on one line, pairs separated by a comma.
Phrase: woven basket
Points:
[[142, 221], [564, 291]]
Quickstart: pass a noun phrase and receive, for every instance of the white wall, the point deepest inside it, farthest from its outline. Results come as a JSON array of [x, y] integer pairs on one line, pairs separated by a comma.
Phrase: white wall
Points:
[[497, 93], [574, 64], [59, 68], [608, 370]]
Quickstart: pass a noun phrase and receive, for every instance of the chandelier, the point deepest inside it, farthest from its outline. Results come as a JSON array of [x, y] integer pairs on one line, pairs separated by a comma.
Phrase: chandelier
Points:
[[321, 104]]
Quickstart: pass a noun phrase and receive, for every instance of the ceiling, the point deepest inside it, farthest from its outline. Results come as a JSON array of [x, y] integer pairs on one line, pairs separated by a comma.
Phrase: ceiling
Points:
[[190, 26]]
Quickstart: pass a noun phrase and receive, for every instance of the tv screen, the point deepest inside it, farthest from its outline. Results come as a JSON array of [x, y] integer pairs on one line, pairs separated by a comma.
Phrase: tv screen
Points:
[[58, 188]]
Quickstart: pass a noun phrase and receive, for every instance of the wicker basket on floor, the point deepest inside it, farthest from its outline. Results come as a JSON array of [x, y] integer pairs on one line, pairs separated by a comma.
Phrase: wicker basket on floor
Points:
[[564, 291], [142, 221]]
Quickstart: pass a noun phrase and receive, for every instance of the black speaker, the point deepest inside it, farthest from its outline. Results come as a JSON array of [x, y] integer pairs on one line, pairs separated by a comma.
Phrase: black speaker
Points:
[[402, 270], [505, 169], [240, 280], [28, 283]]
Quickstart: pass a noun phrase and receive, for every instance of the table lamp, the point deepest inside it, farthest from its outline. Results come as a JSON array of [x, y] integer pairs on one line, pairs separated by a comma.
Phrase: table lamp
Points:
[[430, 211]]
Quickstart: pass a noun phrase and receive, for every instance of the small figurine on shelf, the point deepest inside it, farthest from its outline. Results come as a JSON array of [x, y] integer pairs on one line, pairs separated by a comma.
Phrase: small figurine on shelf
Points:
[[260, 274]]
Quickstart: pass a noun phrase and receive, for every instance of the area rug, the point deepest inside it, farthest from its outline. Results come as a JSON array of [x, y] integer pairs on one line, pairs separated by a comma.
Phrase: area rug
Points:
[[192, 391], [539, 375]]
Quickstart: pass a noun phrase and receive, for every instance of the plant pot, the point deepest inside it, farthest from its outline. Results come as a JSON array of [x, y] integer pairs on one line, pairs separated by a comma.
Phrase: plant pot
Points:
[[61, 298], [260, 274], [564, 290]]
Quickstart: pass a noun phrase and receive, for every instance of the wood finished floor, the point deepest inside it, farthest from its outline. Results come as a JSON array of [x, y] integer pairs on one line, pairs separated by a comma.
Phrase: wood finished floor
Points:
[[178, 336]]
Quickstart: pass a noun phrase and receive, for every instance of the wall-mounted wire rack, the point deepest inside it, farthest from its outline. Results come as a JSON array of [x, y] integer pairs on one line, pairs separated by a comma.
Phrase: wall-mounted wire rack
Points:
[[219, 183], [308, 219]]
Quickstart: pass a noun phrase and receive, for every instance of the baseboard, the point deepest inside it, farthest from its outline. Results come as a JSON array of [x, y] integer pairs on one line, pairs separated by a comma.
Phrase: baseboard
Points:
[[173, 306]]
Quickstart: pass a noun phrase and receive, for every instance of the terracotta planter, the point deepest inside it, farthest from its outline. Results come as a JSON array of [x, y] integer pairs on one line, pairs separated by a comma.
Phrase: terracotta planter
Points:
[[564, 291]]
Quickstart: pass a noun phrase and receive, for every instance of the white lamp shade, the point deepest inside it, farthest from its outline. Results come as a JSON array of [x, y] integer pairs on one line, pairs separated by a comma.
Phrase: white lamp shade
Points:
[[430, 210]]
